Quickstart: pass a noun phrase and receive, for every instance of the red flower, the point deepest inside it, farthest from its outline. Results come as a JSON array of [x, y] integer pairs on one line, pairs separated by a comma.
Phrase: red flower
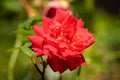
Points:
[[63, 39], [50, 9]]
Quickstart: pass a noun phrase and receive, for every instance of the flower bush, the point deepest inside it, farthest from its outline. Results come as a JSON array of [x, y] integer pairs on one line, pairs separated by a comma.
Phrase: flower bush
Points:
[[63, 39]]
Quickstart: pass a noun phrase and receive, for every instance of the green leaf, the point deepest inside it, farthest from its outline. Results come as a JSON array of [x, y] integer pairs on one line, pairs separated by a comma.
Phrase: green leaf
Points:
[[26, 49], [31, 21]]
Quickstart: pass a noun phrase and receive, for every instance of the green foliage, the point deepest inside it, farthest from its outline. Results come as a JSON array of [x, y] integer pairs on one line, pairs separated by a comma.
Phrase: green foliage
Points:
[[26, 49], [25, 30], [32, 21]]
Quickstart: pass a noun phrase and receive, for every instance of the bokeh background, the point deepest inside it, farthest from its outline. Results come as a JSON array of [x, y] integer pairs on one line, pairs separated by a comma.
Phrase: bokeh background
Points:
[[101, 17]]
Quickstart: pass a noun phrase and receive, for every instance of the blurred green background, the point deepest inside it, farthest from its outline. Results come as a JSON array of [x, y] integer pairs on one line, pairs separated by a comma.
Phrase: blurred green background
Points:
[[101, 17]]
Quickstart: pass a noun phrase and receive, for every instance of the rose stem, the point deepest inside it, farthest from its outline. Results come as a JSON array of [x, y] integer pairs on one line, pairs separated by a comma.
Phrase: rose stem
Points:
[[60, 78], [44, 64], [13, 58], [78, 73]]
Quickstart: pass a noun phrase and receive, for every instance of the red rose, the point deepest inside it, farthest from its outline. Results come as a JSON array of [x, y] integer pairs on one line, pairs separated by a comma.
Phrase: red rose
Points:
[[50, 8], [63, 39]]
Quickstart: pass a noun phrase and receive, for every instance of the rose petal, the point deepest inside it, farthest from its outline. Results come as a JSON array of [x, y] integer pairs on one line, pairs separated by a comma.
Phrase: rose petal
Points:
[[80, 23], [39, 30], [37, 41], [69, 20], [63, 45], [60, 15], [38, 51], [87, 38], [53, 50], [68, 53], [50, 9], [46, 22], [57, 64], [75, 61], [51, 12], [82, 39]]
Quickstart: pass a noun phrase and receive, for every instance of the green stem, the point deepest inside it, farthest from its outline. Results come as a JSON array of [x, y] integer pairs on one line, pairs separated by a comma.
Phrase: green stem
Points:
[[13, 59], [44, 64], [60, 78], [78, 73], [34, 62]]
